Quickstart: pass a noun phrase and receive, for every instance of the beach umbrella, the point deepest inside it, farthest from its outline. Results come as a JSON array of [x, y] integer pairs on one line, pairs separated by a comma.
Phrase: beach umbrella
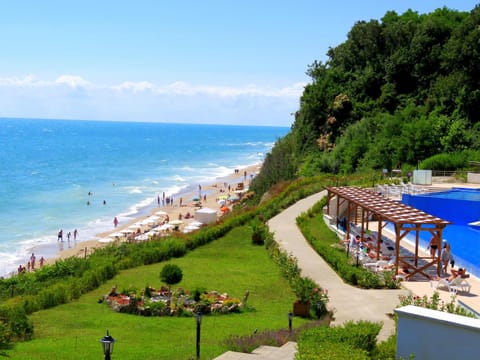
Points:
[[221, 202], [116, 234], [166, 227], [126, 231], [196, 223], [106, 240], [161, 213], [176, 222], [142, 237], [225, 209], [233, 198], [195, 198], [224, 197], [152, 219]]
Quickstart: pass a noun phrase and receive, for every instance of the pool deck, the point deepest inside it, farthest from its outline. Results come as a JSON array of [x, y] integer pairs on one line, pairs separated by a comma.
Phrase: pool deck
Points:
[[422, 286]]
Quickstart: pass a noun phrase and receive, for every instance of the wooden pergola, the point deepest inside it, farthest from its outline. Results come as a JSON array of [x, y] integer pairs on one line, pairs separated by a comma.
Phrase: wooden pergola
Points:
[[366, 205]]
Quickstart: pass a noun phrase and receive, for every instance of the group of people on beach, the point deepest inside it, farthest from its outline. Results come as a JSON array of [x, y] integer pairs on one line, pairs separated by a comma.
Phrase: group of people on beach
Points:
[[69, 235], [30, 264], [166, 200]]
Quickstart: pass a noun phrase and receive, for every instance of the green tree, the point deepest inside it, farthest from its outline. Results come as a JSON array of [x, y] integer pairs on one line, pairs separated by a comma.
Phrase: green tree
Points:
[[171, 274]]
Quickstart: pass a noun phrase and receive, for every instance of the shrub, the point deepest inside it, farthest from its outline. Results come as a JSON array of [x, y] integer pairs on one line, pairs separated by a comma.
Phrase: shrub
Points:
[[358, 338], [197, 293], [259, 232], [171, 274], [311, 350], [434, 303], [5, 339], [304, 289], [16, 322], [386, 350]]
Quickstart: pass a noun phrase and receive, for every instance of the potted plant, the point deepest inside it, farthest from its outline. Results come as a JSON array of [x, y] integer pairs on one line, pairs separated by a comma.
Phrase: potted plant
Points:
[[304, 290]]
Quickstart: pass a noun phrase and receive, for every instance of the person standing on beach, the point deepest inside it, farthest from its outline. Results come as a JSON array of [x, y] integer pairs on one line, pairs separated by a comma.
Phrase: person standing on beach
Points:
[[115, 222], [69, 234], [32, 261], [42, 260], [75, 233], [60, 235]]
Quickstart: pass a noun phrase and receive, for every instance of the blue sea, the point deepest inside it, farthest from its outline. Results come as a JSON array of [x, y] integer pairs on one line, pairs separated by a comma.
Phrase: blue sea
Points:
[[49, 167]]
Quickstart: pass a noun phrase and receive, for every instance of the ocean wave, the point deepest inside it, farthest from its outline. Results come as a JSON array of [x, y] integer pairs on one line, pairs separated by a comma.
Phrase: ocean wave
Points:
[[177, 178], [134, 190], [188, 168]]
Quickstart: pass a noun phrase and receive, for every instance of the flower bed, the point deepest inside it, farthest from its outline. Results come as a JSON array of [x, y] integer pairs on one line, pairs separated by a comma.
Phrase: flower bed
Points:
[[152, 302]]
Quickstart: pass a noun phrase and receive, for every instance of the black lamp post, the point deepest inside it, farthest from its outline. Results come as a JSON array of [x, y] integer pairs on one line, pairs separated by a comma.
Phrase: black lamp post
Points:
[[198, 318], [107, 344], [290, 318]]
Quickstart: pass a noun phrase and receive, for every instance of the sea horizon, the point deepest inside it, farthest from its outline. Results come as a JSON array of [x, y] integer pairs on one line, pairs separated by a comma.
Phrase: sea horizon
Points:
[[52, 165]]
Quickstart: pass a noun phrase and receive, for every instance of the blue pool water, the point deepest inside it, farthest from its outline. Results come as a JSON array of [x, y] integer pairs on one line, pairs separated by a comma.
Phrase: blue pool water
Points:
[[461, 206]]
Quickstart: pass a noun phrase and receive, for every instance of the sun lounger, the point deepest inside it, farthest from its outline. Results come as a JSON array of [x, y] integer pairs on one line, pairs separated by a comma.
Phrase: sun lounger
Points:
[[454, 286], [377, 265]]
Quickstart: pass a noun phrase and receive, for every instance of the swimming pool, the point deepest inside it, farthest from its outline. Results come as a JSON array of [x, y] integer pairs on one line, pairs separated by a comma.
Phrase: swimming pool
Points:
[[461, 206]]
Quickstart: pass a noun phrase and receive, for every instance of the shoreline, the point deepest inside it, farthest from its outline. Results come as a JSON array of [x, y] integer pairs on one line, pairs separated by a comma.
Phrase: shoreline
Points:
[[210, 189]]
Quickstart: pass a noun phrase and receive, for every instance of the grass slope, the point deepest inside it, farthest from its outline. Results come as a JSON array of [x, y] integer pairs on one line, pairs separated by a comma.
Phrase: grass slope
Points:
[[230, 264]]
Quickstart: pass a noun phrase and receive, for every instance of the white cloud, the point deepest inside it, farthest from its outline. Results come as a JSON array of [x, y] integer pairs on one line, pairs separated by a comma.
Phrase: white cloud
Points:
[[71, 96], [28, 80], [175, 88], [134, 86], [184, 88], [73, 81]]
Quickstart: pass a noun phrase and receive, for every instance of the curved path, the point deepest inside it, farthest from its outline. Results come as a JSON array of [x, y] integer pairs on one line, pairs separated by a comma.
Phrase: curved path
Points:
[[347, 302]]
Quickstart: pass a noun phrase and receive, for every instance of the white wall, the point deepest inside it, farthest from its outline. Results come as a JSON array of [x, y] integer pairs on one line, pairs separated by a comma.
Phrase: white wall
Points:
[[422, 177], [473, 178], [431, 334]]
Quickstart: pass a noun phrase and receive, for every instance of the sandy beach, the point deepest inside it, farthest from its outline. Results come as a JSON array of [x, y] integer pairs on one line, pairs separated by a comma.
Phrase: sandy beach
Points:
[[209, 194]]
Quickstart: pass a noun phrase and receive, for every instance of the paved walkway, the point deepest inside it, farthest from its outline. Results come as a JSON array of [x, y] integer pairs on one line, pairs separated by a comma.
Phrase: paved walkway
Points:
[[348, 302]]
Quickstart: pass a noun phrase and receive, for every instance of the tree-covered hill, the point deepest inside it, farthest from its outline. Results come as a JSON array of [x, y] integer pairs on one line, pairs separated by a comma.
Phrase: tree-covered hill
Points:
[[398, 91]]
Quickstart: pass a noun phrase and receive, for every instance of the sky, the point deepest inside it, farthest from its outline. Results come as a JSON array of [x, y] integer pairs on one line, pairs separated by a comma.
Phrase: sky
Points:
[[184, 61]]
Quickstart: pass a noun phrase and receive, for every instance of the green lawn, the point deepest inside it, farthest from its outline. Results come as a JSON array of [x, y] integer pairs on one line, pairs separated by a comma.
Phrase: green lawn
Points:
[[231, 265]]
